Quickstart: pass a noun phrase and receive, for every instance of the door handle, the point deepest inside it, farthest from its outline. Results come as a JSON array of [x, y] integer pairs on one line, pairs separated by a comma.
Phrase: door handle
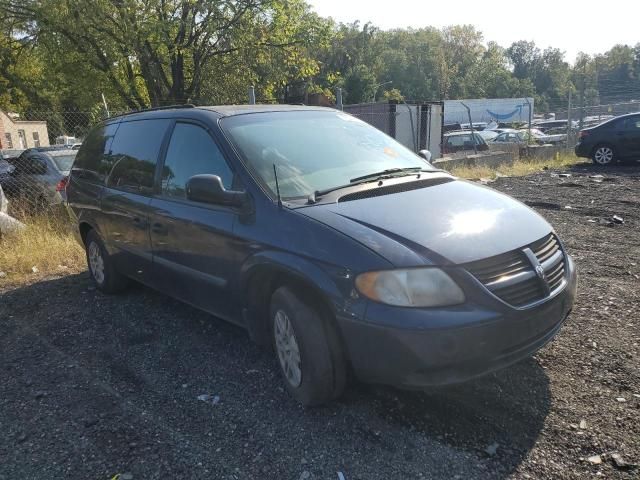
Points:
[[159, 228]]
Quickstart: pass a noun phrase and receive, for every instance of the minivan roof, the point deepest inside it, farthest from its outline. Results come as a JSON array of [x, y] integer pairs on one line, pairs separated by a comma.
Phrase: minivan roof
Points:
[[231, 110], [220, 110]]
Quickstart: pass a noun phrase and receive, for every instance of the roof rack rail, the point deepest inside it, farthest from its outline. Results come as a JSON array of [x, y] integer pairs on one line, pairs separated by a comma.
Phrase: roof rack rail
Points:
[[153, 109]]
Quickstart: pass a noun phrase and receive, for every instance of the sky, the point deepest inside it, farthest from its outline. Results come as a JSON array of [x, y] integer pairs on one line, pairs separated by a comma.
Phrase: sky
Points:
[[570, 25]]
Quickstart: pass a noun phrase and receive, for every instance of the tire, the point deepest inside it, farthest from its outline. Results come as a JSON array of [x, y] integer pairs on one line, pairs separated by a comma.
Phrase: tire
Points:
[[101, 268], [297, 326], [603, 155]]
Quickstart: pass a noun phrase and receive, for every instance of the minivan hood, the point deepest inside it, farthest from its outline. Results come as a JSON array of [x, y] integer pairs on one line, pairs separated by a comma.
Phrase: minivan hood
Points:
[[454, 222]]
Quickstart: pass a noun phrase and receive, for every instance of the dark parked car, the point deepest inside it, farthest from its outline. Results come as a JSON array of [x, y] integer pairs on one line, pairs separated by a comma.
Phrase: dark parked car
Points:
[[463, 140], [324, 238], [615, 140]]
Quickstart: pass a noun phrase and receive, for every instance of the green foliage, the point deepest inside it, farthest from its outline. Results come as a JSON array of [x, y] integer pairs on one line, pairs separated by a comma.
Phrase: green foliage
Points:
[[393, 95], [63, 54], [360, 85]]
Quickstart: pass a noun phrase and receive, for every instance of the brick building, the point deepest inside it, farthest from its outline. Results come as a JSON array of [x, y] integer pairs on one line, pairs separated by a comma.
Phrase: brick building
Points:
[[20, 134]]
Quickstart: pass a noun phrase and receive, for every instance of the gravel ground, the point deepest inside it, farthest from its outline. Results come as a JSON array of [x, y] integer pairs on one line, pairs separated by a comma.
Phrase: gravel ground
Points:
[[94, 385]]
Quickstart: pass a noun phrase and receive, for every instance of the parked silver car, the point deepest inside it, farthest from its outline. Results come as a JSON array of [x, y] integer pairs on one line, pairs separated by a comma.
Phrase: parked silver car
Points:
[[39, 176]]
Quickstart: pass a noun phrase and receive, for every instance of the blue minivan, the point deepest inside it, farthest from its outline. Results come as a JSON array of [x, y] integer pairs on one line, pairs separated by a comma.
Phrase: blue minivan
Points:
[[348, 254]]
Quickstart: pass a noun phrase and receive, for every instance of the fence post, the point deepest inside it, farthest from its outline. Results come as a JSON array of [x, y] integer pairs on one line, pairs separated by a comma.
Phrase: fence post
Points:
[[473, 136], [339, 99], [569, 121], [252, 95]]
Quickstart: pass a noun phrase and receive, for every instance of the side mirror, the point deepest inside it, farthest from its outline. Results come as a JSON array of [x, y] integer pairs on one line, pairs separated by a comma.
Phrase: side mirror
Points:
[[426, 154], [209, 189]]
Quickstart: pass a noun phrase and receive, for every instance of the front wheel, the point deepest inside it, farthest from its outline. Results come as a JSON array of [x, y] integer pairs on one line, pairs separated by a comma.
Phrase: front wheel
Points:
[[603, 155], [307, 349]]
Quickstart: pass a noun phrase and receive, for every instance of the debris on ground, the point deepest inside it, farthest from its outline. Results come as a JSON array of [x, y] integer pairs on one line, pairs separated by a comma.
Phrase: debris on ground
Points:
[[617, 219], [492, 449], [595, 460], [208, 398], [605, 222], [620, 463], [8, 224], [564, 175]]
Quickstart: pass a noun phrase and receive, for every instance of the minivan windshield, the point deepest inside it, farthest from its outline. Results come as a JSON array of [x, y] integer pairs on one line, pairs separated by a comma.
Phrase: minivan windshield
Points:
[[314, 150]]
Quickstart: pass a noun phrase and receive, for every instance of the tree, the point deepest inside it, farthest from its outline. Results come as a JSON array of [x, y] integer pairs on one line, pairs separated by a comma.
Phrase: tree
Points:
[[360, 85], [159, 51]]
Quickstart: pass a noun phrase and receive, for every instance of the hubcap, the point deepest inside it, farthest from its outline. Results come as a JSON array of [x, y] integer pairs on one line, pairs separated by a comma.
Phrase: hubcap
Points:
[[604, 155], [96, 263], [287, 348]]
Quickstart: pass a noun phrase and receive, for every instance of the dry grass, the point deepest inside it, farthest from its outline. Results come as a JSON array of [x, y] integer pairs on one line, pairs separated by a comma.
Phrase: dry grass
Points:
[[517, 169], [44, 247]]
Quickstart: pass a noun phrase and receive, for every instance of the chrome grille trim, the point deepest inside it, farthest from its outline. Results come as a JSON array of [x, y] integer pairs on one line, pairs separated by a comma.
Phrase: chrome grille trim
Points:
[[525, 276]]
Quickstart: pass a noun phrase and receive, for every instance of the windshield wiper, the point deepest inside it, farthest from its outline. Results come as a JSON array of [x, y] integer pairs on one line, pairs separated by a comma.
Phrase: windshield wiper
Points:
[[372, 177], [388, 171]]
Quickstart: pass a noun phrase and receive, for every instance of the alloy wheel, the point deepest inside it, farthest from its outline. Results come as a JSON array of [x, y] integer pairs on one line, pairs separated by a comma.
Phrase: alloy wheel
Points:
[[287, 349], [603, 155], [96, 262]]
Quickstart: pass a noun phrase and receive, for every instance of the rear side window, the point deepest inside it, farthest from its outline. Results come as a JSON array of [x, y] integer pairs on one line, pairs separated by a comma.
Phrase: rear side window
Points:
[[191, 152], [458, 140], [89, 163], [30, 165], [134, 154]]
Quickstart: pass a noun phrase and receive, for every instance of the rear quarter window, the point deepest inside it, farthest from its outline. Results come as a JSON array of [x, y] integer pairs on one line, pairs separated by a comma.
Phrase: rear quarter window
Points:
[[133, 156], [90, 161]]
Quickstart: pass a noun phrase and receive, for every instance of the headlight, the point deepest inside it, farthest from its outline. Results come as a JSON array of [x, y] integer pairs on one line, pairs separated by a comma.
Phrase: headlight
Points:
[[416, 287]]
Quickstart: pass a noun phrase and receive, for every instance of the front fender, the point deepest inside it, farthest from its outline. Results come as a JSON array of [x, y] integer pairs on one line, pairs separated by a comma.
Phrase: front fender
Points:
[[333, 285], [333, 282]]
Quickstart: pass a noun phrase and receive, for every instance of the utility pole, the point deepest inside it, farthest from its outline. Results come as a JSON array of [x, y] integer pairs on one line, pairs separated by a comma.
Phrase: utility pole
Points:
[[106, 108], [569, 121]]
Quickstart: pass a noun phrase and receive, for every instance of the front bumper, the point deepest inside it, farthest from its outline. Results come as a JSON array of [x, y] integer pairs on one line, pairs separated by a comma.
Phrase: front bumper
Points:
[[447, 346]]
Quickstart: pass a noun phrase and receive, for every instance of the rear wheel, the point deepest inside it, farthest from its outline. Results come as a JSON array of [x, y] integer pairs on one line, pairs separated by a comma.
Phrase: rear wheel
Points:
[[603, 155], [307, 349], [101, 266]]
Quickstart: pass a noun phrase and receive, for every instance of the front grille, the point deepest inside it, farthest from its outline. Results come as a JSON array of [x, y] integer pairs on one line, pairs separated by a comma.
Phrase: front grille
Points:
[[512, 276]]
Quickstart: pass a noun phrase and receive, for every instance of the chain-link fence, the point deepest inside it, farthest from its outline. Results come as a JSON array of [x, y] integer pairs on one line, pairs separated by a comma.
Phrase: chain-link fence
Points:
[[37, 147], [37, 150]]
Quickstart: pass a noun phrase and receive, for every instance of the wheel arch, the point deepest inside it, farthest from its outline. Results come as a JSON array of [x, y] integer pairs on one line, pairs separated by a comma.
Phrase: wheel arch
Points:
[[84, 228], [264, 273]]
